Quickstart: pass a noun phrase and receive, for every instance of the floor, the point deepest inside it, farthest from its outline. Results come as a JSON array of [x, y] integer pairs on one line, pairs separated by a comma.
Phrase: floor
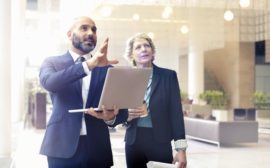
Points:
[[200, 154]]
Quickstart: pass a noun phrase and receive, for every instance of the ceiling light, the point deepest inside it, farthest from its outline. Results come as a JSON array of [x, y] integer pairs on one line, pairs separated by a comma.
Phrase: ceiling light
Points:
[[184, 29], [168, 9], [106, 11], [228, 15], [244, 3], [136, 17], [167, 12]]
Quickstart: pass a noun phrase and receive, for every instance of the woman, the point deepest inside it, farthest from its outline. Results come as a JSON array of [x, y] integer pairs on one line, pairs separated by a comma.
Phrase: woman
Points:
[[148, 138]]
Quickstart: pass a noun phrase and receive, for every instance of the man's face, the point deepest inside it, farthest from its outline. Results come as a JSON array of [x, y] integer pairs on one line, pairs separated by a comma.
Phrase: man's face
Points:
[[83, 35]]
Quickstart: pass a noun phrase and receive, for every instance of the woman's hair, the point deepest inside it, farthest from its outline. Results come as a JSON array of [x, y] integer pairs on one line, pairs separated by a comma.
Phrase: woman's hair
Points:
[[130, 43]]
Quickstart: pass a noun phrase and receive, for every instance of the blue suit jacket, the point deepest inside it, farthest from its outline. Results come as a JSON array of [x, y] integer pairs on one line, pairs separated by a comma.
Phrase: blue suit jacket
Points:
[[165, 107], [60, 76]]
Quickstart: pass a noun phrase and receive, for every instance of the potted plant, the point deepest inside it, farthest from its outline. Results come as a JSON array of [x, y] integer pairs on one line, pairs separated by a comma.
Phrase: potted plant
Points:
[[216, 98], [261, 100], [218, 101], [185, 99]]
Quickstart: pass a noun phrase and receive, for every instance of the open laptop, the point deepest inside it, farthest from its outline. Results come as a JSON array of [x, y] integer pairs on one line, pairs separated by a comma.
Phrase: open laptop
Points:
[[124, 87]]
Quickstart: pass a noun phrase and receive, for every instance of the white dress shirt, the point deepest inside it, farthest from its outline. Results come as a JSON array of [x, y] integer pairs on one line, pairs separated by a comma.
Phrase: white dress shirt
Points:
[[85, 86]]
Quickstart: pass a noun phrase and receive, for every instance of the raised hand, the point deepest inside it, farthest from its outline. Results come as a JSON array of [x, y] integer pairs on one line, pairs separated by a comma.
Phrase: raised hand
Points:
[[100, 59]]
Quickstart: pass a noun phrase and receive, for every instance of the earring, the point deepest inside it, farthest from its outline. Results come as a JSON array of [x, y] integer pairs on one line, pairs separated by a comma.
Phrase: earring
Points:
[[153, 58], [134, 62]]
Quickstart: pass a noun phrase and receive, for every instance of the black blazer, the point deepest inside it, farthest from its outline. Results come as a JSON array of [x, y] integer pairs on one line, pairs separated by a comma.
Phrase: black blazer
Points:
[[60, 76], [165, 108]]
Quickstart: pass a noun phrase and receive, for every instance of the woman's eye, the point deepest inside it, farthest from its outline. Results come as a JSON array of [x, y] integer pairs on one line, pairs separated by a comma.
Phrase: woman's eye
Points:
[[147, 46], [137, 48]]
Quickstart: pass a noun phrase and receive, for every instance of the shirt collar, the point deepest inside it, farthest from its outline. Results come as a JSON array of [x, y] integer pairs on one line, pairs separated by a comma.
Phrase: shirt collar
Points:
[[75, 56]]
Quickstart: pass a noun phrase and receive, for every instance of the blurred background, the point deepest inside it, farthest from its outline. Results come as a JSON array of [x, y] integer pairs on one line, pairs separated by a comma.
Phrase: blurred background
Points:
[[216, 45]]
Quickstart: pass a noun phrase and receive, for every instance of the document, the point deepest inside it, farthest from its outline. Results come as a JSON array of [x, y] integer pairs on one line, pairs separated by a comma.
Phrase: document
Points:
[[153, 164]]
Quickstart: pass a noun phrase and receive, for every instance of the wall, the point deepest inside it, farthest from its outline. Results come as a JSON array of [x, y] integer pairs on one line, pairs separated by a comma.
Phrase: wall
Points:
[[234, 69], [119, 32], [183, 73], [246, 74], [262, 78]]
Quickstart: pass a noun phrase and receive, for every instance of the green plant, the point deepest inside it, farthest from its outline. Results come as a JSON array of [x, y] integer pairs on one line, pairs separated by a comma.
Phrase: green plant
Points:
[[184, 95], [185, 99], [216, 98], [261, 100]]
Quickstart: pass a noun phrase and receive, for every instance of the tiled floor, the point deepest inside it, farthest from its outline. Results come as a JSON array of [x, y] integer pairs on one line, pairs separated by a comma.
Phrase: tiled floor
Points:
[[200, 154]]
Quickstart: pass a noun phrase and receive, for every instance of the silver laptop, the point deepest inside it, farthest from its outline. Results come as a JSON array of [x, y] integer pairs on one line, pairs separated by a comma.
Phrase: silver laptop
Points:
[[124, 87]]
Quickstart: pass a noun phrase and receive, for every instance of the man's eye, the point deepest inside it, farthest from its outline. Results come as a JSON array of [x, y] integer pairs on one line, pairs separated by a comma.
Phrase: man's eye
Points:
[[84, 28], [94, 29]]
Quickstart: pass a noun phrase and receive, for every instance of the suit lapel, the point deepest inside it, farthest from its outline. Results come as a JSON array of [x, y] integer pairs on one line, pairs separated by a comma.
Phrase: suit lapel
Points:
[[96, 86], [93, 86], [155, 80], [68, 61]]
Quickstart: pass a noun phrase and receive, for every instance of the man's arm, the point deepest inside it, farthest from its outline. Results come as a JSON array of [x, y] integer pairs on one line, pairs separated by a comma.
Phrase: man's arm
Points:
[[53, 79], [112, 118], [100, 57], [120, 118]]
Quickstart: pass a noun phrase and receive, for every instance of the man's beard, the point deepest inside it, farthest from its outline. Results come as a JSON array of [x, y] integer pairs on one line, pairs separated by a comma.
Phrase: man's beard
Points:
[[86, 48]]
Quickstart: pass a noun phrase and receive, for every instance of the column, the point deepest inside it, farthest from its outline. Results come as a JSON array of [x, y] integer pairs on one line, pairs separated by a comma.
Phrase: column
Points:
[[18, 60], [195, 70], [5, 76], [195, 57]]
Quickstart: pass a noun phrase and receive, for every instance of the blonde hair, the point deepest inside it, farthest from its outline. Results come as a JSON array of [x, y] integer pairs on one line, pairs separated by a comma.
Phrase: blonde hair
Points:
[[130, 45]]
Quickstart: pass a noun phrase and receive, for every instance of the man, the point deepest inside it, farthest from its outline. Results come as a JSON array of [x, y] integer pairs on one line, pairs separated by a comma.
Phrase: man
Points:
[[78, 140]]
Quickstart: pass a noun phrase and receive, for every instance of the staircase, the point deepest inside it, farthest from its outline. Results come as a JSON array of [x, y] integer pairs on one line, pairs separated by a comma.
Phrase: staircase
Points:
[[210, 81]]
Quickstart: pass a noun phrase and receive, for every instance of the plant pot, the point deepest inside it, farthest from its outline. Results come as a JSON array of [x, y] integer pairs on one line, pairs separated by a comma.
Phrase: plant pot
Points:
[[220, 114]]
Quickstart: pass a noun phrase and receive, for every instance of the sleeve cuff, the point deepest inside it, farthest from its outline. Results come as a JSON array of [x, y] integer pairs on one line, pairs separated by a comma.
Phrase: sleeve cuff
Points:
[[110, 122], [180, 144]]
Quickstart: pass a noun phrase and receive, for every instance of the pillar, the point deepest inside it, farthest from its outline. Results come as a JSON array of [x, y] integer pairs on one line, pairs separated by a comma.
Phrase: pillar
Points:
[[195, 70], [5, 76], [195, 57], [18, 60]]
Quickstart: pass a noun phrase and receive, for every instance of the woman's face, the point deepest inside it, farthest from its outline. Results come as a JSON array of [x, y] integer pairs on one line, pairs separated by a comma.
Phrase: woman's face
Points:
[[142, 53]]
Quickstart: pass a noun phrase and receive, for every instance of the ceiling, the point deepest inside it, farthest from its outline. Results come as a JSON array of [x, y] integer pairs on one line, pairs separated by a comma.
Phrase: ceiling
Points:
[[124, 9], [234, 4]]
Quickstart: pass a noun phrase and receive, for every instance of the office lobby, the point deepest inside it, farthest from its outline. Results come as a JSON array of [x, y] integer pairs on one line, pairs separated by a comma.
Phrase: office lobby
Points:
[[199, 154], [217, 45]]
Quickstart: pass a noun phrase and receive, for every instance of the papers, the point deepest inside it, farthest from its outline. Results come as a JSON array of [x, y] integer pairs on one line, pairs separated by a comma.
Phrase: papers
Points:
[[153, 164]]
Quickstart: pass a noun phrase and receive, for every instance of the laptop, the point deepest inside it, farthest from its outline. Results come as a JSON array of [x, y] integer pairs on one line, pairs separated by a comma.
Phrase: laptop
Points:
[[124, 87]]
